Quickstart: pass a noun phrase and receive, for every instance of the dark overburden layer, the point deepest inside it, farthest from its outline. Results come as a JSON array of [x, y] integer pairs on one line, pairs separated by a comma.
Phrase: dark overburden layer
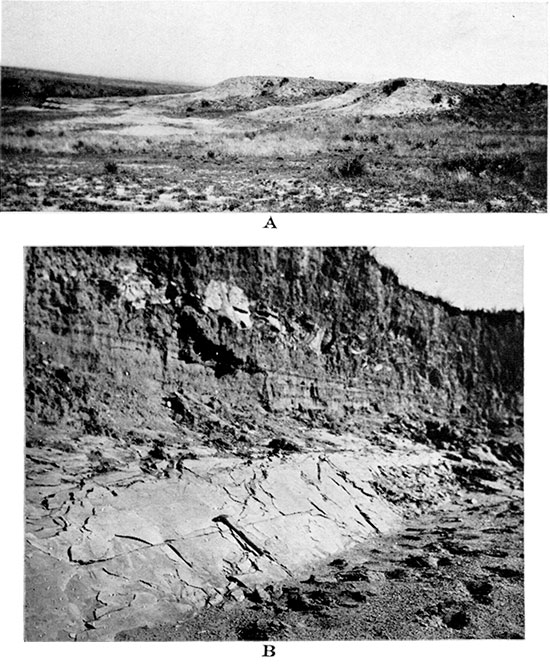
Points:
[[320, 333]]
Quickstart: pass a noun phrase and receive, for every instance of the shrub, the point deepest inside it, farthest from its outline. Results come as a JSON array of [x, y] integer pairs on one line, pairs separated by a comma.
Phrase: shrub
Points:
[[111, 168], [436, 99], [349, 167], [30, 132], [394, 85]]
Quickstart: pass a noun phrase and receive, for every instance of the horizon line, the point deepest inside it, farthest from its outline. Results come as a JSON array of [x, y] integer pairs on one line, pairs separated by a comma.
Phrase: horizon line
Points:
[[207, 85]]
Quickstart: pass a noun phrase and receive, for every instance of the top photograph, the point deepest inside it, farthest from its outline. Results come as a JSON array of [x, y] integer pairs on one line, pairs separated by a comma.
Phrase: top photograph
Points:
[[391, 107]]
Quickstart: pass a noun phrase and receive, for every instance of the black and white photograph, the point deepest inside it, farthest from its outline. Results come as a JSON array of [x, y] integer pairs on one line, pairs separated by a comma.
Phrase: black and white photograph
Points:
[[303, 430], [273, 444], [274, 106]]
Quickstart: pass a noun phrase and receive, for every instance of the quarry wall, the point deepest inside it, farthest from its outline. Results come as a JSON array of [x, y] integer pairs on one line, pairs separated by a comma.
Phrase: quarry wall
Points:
[[315, 333]]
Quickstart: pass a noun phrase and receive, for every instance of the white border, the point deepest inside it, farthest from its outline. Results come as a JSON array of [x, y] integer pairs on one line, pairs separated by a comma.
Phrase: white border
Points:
[[531, 231]]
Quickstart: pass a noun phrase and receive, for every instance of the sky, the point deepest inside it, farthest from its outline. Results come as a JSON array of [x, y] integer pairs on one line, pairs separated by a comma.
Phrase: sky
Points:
[[206, 42], [467, 277]]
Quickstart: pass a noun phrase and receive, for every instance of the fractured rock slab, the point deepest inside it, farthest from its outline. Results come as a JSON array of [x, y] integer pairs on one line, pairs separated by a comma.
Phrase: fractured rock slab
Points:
[[135, 553]]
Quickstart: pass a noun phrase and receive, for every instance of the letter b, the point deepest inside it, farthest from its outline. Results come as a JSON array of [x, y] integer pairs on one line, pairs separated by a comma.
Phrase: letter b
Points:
[[269, 650]]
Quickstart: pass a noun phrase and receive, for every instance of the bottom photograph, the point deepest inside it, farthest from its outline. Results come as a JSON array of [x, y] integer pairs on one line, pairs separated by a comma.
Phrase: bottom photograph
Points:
[[273, 443]]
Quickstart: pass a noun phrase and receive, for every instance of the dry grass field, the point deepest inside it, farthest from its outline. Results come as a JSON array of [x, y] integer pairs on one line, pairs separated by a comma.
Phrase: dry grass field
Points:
[[275, 144]]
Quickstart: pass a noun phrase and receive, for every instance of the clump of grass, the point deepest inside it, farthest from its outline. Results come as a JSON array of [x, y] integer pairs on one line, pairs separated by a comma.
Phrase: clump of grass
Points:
[[462, 174], [283, 143], [348, 167], [20, 143], [111, 168]]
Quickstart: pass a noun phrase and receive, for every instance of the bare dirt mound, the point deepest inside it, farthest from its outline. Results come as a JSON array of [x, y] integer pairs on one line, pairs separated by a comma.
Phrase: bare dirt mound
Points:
[[280, 88], [386, 98], [244, 93]]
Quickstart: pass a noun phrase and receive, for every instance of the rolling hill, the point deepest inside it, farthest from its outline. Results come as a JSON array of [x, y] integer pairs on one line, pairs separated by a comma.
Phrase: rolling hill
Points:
[[22, 86], [281, 98]]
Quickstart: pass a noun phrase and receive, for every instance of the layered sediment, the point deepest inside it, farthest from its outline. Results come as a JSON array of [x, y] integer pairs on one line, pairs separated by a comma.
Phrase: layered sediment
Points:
[[201, 421]]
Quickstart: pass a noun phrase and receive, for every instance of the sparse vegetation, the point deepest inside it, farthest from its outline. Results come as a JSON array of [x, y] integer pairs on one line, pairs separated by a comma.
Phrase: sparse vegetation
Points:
[[478, 165], [487, 152]]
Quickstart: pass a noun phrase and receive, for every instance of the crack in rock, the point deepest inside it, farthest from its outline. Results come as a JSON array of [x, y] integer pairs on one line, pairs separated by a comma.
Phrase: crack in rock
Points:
[[242, 539], [367, 519]]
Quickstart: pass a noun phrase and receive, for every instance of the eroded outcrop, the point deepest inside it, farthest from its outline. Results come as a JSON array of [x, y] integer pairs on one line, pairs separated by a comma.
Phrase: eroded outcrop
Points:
[[297, 331], [203, 421]]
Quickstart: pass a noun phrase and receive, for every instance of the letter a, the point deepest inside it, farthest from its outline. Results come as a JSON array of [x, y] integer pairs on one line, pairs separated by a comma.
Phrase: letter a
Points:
[[270, 224]]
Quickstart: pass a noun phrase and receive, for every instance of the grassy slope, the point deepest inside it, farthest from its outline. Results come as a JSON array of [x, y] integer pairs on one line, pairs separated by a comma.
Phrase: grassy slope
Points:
[[33, 86]]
